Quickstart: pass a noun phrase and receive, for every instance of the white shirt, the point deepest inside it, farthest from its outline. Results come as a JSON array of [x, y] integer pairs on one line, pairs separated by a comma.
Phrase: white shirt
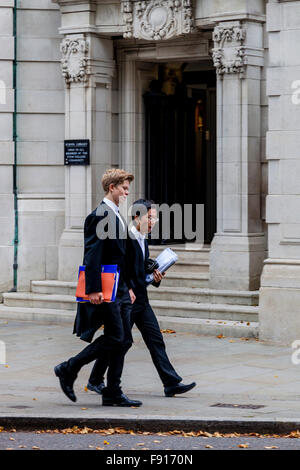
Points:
[[115, 208], [140, 238]]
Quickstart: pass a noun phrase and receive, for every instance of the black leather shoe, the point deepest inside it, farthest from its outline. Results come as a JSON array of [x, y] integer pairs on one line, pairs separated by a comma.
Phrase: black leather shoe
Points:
[[179, 388], [66, 380], [119, 400], [96, 388]]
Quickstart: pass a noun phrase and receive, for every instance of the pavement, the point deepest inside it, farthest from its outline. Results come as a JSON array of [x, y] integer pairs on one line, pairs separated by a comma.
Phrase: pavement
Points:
[[243, 385]]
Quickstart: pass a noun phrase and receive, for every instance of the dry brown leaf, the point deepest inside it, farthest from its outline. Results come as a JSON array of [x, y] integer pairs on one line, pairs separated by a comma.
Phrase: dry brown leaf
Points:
[[243, 446]]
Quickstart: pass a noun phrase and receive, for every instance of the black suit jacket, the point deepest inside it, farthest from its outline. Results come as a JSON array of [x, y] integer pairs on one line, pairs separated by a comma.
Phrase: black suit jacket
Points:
[[98, 251], [136, 263]]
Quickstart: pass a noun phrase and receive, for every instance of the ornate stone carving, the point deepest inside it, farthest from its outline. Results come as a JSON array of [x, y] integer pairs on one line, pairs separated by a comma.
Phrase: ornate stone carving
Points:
[[157, 19], [74, 59], [229, 53]]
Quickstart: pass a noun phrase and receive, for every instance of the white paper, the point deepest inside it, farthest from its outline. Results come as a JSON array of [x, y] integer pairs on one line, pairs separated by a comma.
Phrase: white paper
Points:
[[165, 260]]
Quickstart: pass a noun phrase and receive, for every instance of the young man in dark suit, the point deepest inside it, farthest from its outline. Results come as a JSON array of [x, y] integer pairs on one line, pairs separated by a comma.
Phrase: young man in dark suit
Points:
[[141, 312], [105, 242]]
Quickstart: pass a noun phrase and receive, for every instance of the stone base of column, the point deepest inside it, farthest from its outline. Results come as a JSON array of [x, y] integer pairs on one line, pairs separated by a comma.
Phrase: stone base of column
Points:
[[236, 261], [70, 254], [279, 301]]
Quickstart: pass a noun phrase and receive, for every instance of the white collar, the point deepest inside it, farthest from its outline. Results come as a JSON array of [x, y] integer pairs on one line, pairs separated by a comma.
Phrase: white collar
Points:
[[137, 234], [111, 204]]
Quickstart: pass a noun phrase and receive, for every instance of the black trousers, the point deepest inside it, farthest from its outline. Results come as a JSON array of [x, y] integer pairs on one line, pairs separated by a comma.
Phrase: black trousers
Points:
[[144, 318], [112, 346]]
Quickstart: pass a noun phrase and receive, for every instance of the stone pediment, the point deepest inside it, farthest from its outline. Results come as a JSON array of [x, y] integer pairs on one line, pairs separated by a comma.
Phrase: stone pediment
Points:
[[157, 19]]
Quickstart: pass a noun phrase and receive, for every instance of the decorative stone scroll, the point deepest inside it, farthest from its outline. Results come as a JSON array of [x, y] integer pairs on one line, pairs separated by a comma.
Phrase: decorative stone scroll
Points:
[[74, 59], [157, 19], [229, 53]]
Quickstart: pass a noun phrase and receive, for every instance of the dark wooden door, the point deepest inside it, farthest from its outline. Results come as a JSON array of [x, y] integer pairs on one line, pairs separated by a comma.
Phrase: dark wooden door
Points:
[[180, 153]]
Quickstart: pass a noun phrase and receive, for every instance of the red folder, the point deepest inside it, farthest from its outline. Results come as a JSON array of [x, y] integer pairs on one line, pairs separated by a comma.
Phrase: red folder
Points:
[[109, 281]]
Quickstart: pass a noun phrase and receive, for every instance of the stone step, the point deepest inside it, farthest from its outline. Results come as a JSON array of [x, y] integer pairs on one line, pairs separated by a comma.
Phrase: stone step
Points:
[[185, 279], [172, 279], [33, 300], [191, 266], [203, 295], [54, 287], [203, 326], [161, 307], [45, 315], [200, 326], [222, 312], [184, 252]]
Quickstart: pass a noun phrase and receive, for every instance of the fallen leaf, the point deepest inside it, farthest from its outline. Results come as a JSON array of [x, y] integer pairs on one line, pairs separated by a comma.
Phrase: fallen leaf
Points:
[[35, 448], [220, 336], [271, 447], [243, 446], [105, 442], [208, 446]]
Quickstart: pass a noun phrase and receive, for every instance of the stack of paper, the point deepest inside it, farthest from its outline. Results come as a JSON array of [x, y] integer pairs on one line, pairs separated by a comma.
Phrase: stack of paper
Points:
[[165, 260]]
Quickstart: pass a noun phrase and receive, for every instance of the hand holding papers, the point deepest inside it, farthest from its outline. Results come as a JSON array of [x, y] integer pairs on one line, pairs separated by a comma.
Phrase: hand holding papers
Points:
[[165, 261]]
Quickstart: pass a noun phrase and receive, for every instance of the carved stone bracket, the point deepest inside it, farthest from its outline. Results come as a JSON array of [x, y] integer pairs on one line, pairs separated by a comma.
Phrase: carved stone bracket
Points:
[[157, 19], [229, 53], [74, 59]]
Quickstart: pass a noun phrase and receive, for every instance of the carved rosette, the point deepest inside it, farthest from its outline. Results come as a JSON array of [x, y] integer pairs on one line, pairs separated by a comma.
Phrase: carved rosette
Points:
[[74, 59], [157, 19], [229, 53]]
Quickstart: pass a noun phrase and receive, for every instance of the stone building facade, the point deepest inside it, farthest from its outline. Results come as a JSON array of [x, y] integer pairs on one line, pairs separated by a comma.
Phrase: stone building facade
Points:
[[79, 69]]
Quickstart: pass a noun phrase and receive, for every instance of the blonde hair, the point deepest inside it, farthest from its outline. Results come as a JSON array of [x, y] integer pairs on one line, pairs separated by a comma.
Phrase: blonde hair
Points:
[[115, 176]]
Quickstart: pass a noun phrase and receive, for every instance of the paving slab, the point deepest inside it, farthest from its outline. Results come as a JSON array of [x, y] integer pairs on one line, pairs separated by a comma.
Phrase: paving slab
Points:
[[255, 384]]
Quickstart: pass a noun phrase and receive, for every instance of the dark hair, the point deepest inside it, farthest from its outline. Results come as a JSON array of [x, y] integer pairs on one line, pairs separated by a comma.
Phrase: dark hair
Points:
[[148, 203]]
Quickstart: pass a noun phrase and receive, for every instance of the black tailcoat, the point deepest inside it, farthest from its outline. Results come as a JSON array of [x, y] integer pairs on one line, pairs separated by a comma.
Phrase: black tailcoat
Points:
[[98, 251]]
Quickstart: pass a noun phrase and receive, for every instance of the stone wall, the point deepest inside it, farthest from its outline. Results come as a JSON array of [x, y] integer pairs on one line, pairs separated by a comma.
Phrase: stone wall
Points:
[[280, 284], [40, 134]]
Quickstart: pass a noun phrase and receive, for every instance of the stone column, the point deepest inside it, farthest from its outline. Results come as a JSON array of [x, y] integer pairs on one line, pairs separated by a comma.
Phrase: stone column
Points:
[[88, 67], [279, 298], [238, 247]]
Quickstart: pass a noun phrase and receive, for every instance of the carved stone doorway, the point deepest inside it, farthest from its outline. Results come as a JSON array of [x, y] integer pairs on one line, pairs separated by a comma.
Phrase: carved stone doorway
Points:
[[141, 64]]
